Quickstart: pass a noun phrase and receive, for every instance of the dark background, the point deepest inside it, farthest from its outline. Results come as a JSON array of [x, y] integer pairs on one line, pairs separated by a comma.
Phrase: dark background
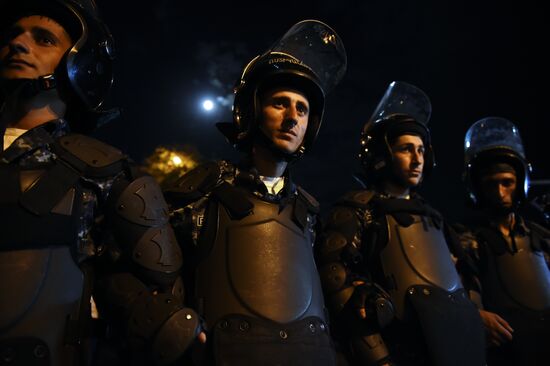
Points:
[[474, 59]]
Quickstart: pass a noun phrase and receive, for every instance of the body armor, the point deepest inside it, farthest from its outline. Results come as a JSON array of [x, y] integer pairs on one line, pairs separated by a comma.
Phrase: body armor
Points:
[[519, 279], [40, 282], [516, 282], [47, 206], [416, 255], [426, 288], [261, 266]]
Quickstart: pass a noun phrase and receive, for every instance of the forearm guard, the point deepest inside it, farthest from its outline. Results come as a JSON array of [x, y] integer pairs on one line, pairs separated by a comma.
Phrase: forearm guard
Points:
[[155, 325]]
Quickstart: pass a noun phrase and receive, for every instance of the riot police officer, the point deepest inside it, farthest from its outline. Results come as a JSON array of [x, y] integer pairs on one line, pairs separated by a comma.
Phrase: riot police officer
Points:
[[391, 267], [77, 218], [511, 253], [249, 228]]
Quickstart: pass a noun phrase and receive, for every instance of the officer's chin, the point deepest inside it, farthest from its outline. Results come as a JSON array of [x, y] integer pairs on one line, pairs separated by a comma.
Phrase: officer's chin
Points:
[[16, 73], [414, 181], [501, 209], [286, 147]]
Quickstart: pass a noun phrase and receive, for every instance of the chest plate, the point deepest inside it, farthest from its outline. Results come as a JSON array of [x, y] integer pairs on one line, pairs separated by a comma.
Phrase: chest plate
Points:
[[519, 278], [260, 265], [416, 255]]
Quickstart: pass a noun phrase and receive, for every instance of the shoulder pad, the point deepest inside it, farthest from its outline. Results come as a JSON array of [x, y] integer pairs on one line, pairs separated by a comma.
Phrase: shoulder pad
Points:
[[195, 183], [358, 199], [90, 156], [312, 203]]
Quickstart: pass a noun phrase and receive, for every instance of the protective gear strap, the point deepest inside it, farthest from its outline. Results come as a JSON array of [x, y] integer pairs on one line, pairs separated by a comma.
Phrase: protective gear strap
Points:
[[303, 205], [194, 184], [233, 199]]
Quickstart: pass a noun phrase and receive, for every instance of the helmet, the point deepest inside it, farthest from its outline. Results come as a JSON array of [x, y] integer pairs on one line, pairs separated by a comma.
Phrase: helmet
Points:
[[85, 73], [489, 141], [404, 109], [310, 57]]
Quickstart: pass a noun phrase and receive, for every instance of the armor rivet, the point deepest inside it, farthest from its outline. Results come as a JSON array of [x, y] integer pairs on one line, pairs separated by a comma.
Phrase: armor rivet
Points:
[[411, 291], [168, 301], [121, 207], [39, 351], [312, 327], [188, 317], [244, 326], [283, 334], [224, 324], [426, 291], [8, 354]]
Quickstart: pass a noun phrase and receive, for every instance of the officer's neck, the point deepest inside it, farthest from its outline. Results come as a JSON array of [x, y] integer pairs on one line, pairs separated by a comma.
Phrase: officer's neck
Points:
[[396, 190], [505, 222], [27, 113], [266, 162]]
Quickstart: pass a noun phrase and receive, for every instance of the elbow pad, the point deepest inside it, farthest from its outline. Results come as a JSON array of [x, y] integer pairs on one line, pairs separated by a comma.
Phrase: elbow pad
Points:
[[175, 336]]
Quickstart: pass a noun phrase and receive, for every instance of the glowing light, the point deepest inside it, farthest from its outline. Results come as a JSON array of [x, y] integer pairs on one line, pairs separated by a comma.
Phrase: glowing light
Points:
[[208, 105], [177, 160], [166, 165]]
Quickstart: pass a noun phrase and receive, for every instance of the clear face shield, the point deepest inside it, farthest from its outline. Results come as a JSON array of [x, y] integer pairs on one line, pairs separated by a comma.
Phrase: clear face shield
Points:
[[405, 99], [499, 135], [492, 133], [315, 45]]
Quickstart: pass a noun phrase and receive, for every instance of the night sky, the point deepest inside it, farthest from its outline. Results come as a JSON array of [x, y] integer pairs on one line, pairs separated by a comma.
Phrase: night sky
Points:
[[474, 59]]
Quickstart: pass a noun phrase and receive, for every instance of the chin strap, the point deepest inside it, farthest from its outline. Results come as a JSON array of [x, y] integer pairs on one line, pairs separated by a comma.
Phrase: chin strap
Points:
[[46, 82], [28, 87]]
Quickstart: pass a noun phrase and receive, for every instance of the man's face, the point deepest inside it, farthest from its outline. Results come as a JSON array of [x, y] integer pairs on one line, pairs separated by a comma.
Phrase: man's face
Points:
[[33, 47], [498, 189], [285, 114], [408, 160]]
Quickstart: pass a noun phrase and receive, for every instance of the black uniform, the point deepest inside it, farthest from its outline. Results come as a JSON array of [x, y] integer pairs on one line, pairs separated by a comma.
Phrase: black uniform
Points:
[[254, 276], [396, 257], [78, 220], [515, 282]]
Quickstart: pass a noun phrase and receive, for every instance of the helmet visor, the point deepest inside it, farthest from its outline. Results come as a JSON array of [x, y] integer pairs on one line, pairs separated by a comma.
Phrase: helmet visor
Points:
[[316, 45], [403, 98]]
